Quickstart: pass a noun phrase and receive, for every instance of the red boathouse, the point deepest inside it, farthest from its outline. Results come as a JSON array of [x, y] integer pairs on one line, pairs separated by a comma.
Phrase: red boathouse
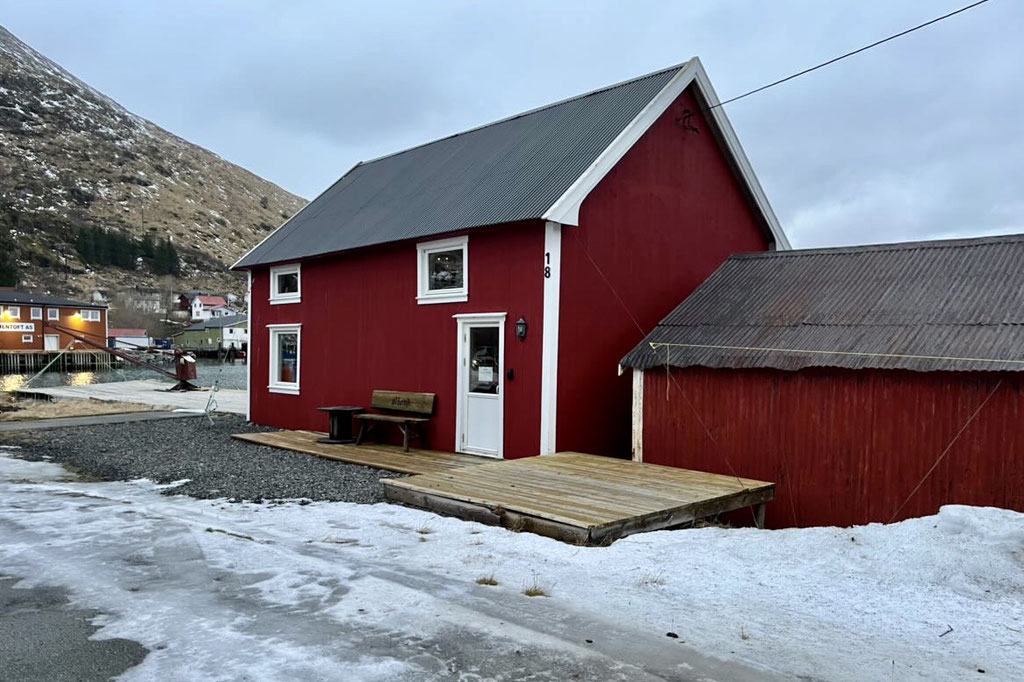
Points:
[[506, 269], [871, 383]]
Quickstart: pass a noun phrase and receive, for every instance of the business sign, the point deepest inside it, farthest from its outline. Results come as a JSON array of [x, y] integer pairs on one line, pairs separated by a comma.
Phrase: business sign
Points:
[[17, 327]]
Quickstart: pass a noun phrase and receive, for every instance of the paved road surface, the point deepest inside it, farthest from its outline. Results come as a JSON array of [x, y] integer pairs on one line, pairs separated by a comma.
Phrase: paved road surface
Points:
[[150, 392], [44, 639]]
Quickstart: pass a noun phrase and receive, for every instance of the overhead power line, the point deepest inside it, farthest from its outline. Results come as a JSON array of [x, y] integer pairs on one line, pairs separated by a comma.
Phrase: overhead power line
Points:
[[850, 54]]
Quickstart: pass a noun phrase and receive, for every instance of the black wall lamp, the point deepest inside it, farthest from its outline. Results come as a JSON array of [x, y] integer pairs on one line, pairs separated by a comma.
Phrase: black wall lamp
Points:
[[521, 329]]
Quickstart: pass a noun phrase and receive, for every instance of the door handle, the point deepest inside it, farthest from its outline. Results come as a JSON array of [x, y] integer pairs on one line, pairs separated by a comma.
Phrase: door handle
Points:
[[510, 375]]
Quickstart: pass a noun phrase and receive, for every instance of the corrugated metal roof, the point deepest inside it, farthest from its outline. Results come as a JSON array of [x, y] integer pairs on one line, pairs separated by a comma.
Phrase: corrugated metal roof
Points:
[[959, 301], [511, 170], [216, 323]]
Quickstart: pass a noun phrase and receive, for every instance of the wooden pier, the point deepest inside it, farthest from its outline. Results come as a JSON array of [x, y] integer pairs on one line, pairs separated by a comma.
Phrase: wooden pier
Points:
[[570, 496], [24, 361]]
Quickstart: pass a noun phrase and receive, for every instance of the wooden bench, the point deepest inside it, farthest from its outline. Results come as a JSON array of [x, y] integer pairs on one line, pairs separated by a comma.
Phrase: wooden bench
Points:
[[410, 411]]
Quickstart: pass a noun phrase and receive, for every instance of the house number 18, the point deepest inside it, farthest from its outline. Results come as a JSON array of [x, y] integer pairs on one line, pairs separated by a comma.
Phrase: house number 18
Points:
[[547, 264]]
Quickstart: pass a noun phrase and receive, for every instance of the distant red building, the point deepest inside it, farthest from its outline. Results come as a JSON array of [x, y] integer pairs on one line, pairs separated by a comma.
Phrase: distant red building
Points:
[[869, 383], [506, 268], [36, 322]]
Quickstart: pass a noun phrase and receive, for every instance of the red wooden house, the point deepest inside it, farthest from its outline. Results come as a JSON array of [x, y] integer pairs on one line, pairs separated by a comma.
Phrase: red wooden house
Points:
[[506, 268], [871, 383]]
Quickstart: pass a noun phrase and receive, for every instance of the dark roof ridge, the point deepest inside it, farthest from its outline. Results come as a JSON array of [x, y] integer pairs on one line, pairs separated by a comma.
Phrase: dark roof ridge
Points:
[[887, 246], [528, 112]]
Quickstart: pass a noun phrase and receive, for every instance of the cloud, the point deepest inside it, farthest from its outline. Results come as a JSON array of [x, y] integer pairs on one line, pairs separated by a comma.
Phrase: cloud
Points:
[[918, 138]]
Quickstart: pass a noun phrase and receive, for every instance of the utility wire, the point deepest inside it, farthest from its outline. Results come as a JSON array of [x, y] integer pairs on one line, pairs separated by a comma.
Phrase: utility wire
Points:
[[848, 54]]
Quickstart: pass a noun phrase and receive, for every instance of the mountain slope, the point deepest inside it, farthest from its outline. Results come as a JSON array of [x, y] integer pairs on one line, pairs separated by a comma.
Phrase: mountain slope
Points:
[[73, 159]]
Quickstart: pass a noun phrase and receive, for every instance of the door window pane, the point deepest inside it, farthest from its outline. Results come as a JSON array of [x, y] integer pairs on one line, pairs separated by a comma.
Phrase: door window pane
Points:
[[484, 372], [444, 270], [287, 357]]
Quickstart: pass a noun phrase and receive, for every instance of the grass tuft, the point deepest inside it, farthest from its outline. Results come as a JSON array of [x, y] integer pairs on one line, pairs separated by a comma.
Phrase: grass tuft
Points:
[[486, 580], [425, 530]]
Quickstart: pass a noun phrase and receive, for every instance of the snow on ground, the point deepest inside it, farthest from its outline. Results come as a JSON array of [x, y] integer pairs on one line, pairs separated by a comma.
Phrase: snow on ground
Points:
[[381, 592]]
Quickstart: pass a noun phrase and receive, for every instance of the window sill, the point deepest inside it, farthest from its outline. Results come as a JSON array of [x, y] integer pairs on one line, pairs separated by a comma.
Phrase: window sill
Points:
[[278, 388], [427, 299], [281, 300]]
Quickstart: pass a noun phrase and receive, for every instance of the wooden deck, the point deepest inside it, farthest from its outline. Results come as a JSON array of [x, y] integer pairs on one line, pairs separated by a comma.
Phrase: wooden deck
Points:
[[389, 457], [580, 498], [570, 496]]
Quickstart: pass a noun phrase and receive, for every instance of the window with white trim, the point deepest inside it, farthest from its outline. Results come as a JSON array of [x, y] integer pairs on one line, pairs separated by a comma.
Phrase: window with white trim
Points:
[[442, 271], [90, 315], [36, 313], [285, 354], [286, 283], [27, 338], [14, 312], [52, 313]]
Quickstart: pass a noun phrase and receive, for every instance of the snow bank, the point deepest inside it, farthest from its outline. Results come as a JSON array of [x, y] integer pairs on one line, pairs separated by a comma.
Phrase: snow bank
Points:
[[935, 598]]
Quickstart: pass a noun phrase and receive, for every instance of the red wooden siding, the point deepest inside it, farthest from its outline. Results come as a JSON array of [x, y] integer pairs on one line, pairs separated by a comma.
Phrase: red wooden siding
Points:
[[656, 226], [843, 446], [362, 329], [70, 318]]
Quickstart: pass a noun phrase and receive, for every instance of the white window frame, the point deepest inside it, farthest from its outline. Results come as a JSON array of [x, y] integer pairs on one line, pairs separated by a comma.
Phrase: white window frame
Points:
[[90, 315], [27, 338], [276, 297], [424, 296], [52, 314], [14, 312], [273, 385], [36, 313]]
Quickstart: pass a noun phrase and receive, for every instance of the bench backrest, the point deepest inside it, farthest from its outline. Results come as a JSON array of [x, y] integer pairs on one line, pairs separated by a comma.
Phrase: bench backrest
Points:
[[403, 401]]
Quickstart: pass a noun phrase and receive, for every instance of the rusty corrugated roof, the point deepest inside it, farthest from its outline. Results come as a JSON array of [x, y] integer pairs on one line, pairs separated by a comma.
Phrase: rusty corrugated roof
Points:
[[961, 302]]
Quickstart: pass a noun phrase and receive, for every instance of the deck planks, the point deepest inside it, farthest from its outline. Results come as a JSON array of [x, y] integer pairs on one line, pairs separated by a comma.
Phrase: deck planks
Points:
[[570, 496], [582, 497], [389, 457]]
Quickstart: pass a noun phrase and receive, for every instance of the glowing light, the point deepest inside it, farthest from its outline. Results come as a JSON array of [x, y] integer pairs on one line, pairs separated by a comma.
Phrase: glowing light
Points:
[[12, 382], [81, 379]]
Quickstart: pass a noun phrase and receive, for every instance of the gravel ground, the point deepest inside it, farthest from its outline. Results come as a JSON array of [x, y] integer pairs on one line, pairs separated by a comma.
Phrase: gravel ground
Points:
[[215, 464]]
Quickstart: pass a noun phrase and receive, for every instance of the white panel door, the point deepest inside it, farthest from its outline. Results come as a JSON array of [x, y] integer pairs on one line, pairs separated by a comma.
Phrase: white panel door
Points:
[[480, 387], [51, 341]]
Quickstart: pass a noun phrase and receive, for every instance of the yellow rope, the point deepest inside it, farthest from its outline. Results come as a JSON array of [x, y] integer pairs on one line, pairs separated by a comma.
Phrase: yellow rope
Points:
[[904, 356]]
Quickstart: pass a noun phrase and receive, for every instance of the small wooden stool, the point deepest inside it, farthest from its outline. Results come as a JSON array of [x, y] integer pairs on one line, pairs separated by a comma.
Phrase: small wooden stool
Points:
[[341, 424]]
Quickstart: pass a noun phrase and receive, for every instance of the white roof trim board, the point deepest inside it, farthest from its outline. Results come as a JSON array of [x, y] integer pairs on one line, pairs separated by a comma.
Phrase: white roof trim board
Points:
[[567, 209], [359, 209]]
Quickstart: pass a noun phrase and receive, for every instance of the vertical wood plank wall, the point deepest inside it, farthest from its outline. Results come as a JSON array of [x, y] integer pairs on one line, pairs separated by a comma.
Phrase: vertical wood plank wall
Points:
[[843, 446]]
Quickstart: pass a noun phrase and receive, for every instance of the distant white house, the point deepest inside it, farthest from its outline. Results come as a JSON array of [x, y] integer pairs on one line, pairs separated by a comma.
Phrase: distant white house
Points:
[[224, 311], [128, 339], [204, 304], [146, 299]]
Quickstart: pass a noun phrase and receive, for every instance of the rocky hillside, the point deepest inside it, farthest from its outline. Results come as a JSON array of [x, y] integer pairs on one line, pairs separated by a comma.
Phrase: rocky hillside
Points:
[[74, 164]]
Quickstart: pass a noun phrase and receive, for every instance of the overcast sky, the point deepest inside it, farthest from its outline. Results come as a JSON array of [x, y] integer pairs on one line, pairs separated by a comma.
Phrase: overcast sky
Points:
[[919, 138]]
